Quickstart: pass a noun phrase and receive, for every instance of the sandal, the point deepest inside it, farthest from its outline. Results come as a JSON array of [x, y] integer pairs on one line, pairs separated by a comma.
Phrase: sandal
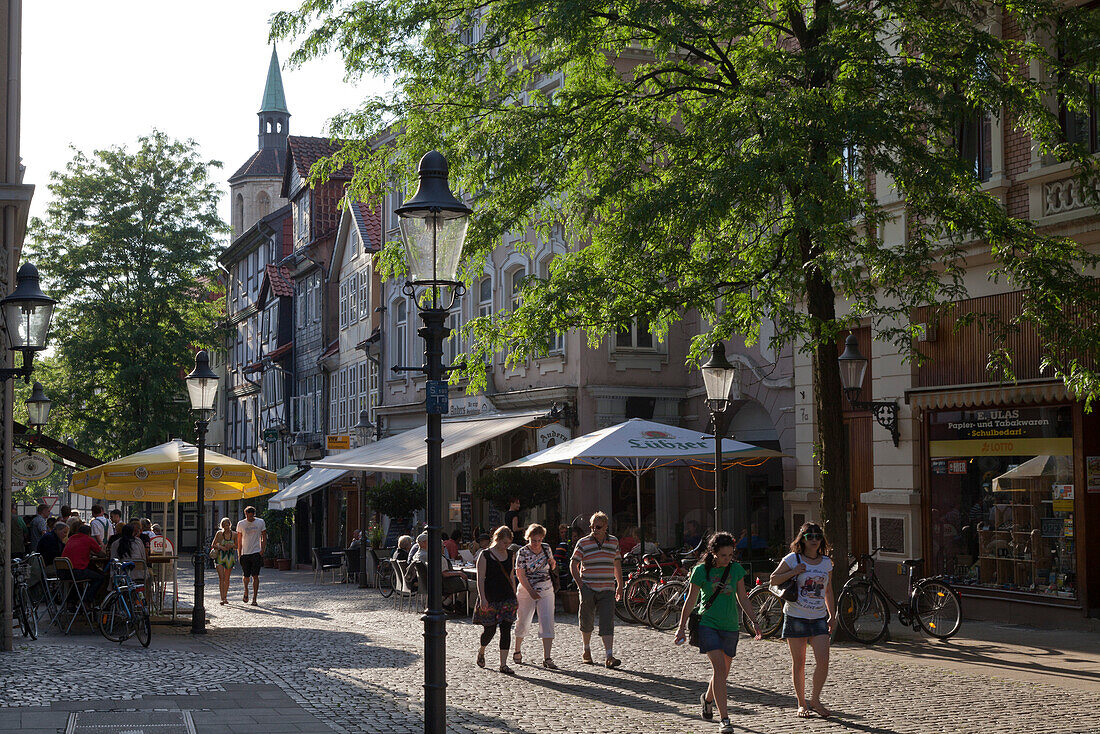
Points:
[[803, 712], [517, 658], [549, 664], [481, 659], [506, 670]]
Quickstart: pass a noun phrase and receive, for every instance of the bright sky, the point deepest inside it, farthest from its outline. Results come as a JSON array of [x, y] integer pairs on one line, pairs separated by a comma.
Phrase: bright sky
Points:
[[97, 74]]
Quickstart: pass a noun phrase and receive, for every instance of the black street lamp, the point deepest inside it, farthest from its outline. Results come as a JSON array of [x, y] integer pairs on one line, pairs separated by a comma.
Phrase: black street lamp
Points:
[[202, 386], [363, 431], [298, 449], [27, 312], [718, 379], [853, 368], [433, 230], [38, 407]]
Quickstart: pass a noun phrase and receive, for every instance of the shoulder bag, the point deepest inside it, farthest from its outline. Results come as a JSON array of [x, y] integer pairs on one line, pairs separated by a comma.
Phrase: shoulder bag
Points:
[[555, 577], [697, 615], [788, 590]]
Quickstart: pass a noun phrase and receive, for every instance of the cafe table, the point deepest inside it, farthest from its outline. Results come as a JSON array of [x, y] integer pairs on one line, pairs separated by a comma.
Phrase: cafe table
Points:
[[162, 568]]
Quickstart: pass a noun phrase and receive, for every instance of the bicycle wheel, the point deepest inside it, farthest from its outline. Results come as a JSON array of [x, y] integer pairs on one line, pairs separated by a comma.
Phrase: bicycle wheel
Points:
[[28, 620], [768, 609], [143, 626], [665, 604], [112, 619], [383, 579], [937, 607], [863, 612], [636, 597]]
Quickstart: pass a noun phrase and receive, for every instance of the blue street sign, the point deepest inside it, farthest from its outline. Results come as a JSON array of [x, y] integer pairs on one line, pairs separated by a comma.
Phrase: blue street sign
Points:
[[437, 397]]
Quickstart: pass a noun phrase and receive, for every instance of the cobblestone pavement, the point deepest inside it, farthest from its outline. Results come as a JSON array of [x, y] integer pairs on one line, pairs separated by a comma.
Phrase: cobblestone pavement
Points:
[[311, 657]]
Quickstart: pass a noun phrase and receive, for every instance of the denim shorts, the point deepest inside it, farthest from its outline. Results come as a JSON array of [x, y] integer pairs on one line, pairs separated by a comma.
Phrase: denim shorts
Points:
[[799, 627], [712, 639]]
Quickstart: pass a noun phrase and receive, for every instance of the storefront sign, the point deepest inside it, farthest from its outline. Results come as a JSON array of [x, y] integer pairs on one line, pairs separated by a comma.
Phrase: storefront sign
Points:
[[956, 466], [271, 435], [455, 512], [338, 443], [1063, 505], [552, 435], [996, 432]]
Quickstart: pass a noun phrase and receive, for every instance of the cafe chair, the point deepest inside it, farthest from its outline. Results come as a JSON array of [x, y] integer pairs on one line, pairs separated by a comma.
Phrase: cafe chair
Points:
[[421, 584], [77, 589], [403, 590], [47, 587], [352, 560], [325, 560]]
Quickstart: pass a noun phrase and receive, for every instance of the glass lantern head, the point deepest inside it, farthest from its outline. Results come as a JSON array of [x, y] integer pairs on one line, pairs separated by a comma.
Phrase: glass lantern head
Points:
[[853, 368], [433, 225], [27, 311], [202, 383], [718, 376], [38, 407], [298, 448]]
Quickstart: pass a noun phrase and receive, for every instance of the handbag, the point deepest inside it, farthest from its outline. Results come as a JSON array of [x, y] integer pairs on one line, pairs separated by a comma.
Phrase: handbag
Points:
[[696, 616], [555, 577], [788, 590]]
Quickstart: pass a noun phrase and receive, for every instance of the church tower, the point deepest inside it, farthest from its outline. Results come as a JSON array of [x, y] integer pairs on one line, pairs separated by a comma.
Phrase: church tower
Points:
[[254, 188]]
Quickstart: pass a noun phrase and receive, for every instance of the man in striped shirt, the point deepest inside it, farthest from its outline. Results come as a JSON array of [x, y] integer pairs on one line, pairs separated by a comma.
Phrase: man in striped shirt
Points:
[[598, 570]]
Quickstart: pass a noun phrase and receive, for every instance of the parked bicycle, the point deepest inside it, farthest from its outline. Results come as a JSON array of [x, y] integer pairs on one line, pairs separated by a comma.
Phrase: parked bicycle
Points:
[[931, 604], [23, 611], [641, 582], [124, 612]]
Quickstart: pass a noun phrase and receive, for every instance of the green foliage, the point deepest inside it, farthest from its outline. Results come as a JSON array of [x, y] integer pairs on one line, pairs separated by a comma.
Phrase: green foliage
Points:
[[127, 247], [278, 524], [532, 487], [398, 498]]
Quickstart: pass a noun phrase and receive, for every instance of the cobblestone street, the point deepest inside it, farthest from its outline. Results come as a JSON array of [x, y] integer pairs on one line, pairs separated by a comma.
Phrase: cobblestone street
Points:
[[314, 657]]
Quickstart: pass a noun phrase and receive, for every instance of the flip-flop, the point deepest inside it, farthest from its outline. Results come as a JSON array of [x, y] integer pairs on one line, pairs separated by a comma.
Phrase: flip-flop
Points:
[[803, 712], [820, 710], [481, 659]]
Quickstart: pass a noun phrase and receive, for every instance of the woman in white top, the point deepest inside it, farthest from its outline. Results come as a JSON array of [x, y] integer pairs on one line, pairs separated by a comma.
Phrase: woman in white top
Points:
[[812, 617], [534, 565], [129, 548]]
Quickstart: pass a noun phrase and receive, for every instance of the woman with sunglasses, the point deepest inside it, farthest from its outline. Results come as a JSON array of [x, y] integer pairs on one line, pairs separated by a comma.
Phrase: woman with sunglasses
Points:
[[811, 618]]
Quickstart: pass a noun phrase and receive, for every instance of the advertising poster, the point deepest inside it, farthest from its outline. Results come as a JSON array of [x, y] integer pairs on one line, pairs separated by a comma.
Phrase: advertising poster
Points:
[[1092, 474]]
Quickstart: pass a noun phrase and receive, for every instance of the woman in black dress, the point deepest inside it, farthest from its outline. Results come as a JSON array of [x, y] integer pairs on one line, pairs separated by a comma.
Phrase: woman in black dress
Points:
[[496, 593]]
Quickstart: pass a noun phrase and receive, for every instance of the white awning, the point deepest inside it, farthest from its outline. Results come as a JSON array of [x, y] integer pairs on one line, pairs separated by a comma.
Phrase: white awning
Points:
[[406, 452], [310, 482]]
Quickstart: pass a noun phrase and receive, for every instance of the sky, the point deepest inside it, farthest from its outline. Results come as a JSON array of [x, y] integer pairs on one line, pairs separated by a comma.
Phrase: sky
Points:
[[99, 74]]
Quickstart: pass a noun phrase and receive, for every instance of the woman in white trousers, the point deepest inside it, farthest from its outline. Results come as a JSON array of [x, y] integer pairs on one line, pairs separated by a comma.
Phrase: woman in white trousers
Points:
[[534, 564]]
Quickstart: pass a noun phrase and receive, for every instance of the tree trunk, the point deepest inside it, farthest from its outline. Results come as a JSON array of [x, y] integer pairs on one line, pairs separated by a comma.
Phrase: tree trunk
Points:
[[831, 449]]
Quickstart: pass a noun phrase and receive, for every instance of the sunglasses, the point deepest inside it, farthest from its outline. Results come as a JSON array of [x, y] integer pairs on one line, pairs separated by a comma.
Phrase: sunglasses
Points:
[[599, 527], [813, 536]]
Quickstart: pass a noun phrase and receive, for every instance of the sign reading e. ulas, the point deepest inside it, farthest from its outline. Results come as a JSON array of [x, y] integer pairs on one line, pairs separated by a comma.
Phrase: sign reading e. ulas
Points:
[[1001, 432]]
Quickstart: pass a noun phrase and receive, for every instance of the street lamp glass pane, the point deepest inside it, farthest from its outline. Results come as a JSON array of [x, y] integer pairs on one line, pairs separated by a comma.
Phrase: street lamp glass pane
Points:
[[433, 243], [28, 323], [852, 372], [202, 391], [718, 382]]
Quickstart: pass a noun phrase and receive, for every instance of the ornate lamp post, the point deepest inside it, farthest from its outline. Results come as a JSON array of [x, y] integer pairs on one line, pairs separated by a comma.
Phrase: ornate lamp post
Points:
[[718, 379], [298, 449], [202, 386], [433, 230], [853, 368]]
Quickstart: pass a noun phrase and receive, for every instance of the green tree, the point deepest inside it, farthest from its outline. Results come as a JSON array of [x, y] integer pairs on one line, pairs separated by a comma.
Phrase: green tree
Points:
[[532, 487], [398, 498], [738, 158], [127, 247]]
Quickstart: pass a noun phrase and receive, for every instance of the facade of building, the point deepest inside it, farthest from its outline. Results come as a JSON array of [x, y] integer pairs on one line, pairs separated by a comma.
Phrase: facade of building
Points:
[[992, 484]]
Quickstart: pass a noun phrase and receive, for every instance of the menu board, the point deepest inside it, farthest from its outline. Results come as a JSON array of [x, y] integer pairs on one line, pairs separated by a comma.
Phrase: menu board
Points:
[[467, 506]]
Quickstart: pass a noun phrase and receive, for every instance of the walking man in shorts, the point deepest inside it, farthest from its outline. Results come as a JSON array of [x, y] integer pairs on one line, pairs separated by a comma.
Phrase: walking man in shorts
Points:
[[251, 544], [597, 568]]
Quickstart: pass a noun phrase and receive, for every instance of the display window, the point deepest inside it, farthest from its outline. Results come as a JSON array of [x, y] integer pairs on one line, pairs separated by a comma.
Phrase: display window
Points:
[[1001, 498]]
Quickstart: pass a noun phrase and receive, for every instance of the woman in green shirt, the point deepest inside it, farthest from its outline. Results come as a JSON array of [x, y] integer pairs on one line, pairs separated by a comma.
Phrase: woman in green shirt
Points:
[[718, 587]]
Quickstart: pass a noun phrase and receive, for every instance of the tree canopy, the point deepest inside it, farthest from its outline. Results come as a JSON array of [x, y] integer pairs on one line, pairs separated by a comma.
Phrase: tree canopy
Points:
[[738, 158], [127, 247]]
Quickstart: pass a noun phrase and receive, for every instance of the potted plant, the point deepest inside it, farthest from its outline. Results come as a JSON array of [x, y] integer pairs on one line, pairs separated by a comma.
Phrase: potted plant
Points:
[[398, 498], [278, 523], [532, 487]]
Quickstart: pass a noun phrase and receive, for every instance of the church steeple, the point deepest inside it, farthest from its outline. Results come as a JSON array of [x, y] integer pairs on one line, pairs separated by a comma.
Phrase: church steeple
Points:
[[274, 115]]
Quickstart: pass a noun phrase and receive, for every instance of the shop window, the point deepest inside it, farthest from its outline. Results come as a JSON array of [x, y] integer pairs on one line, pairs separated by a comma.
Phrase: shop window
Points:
[[1002, 499]]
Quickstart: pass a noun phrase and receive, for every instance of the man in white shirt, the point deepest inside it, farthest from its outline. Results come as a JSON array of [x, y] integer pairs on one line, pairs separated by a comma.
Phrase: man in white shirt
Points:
[[251, 544], [100, 525]]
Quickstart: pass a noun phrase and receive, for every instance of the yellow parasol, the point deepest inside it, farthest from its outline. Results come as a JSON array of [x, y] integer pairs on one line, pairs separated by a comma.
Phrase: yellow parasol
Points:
[[170, 472]]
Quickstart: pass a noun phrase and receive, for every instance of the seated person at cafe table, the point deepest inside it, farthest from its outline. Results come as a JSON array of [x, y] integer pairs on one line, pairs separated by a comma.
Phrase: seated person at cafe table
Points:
[[404, 543], [53, 542], [454, 582], [80, 549], [129, 548]]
